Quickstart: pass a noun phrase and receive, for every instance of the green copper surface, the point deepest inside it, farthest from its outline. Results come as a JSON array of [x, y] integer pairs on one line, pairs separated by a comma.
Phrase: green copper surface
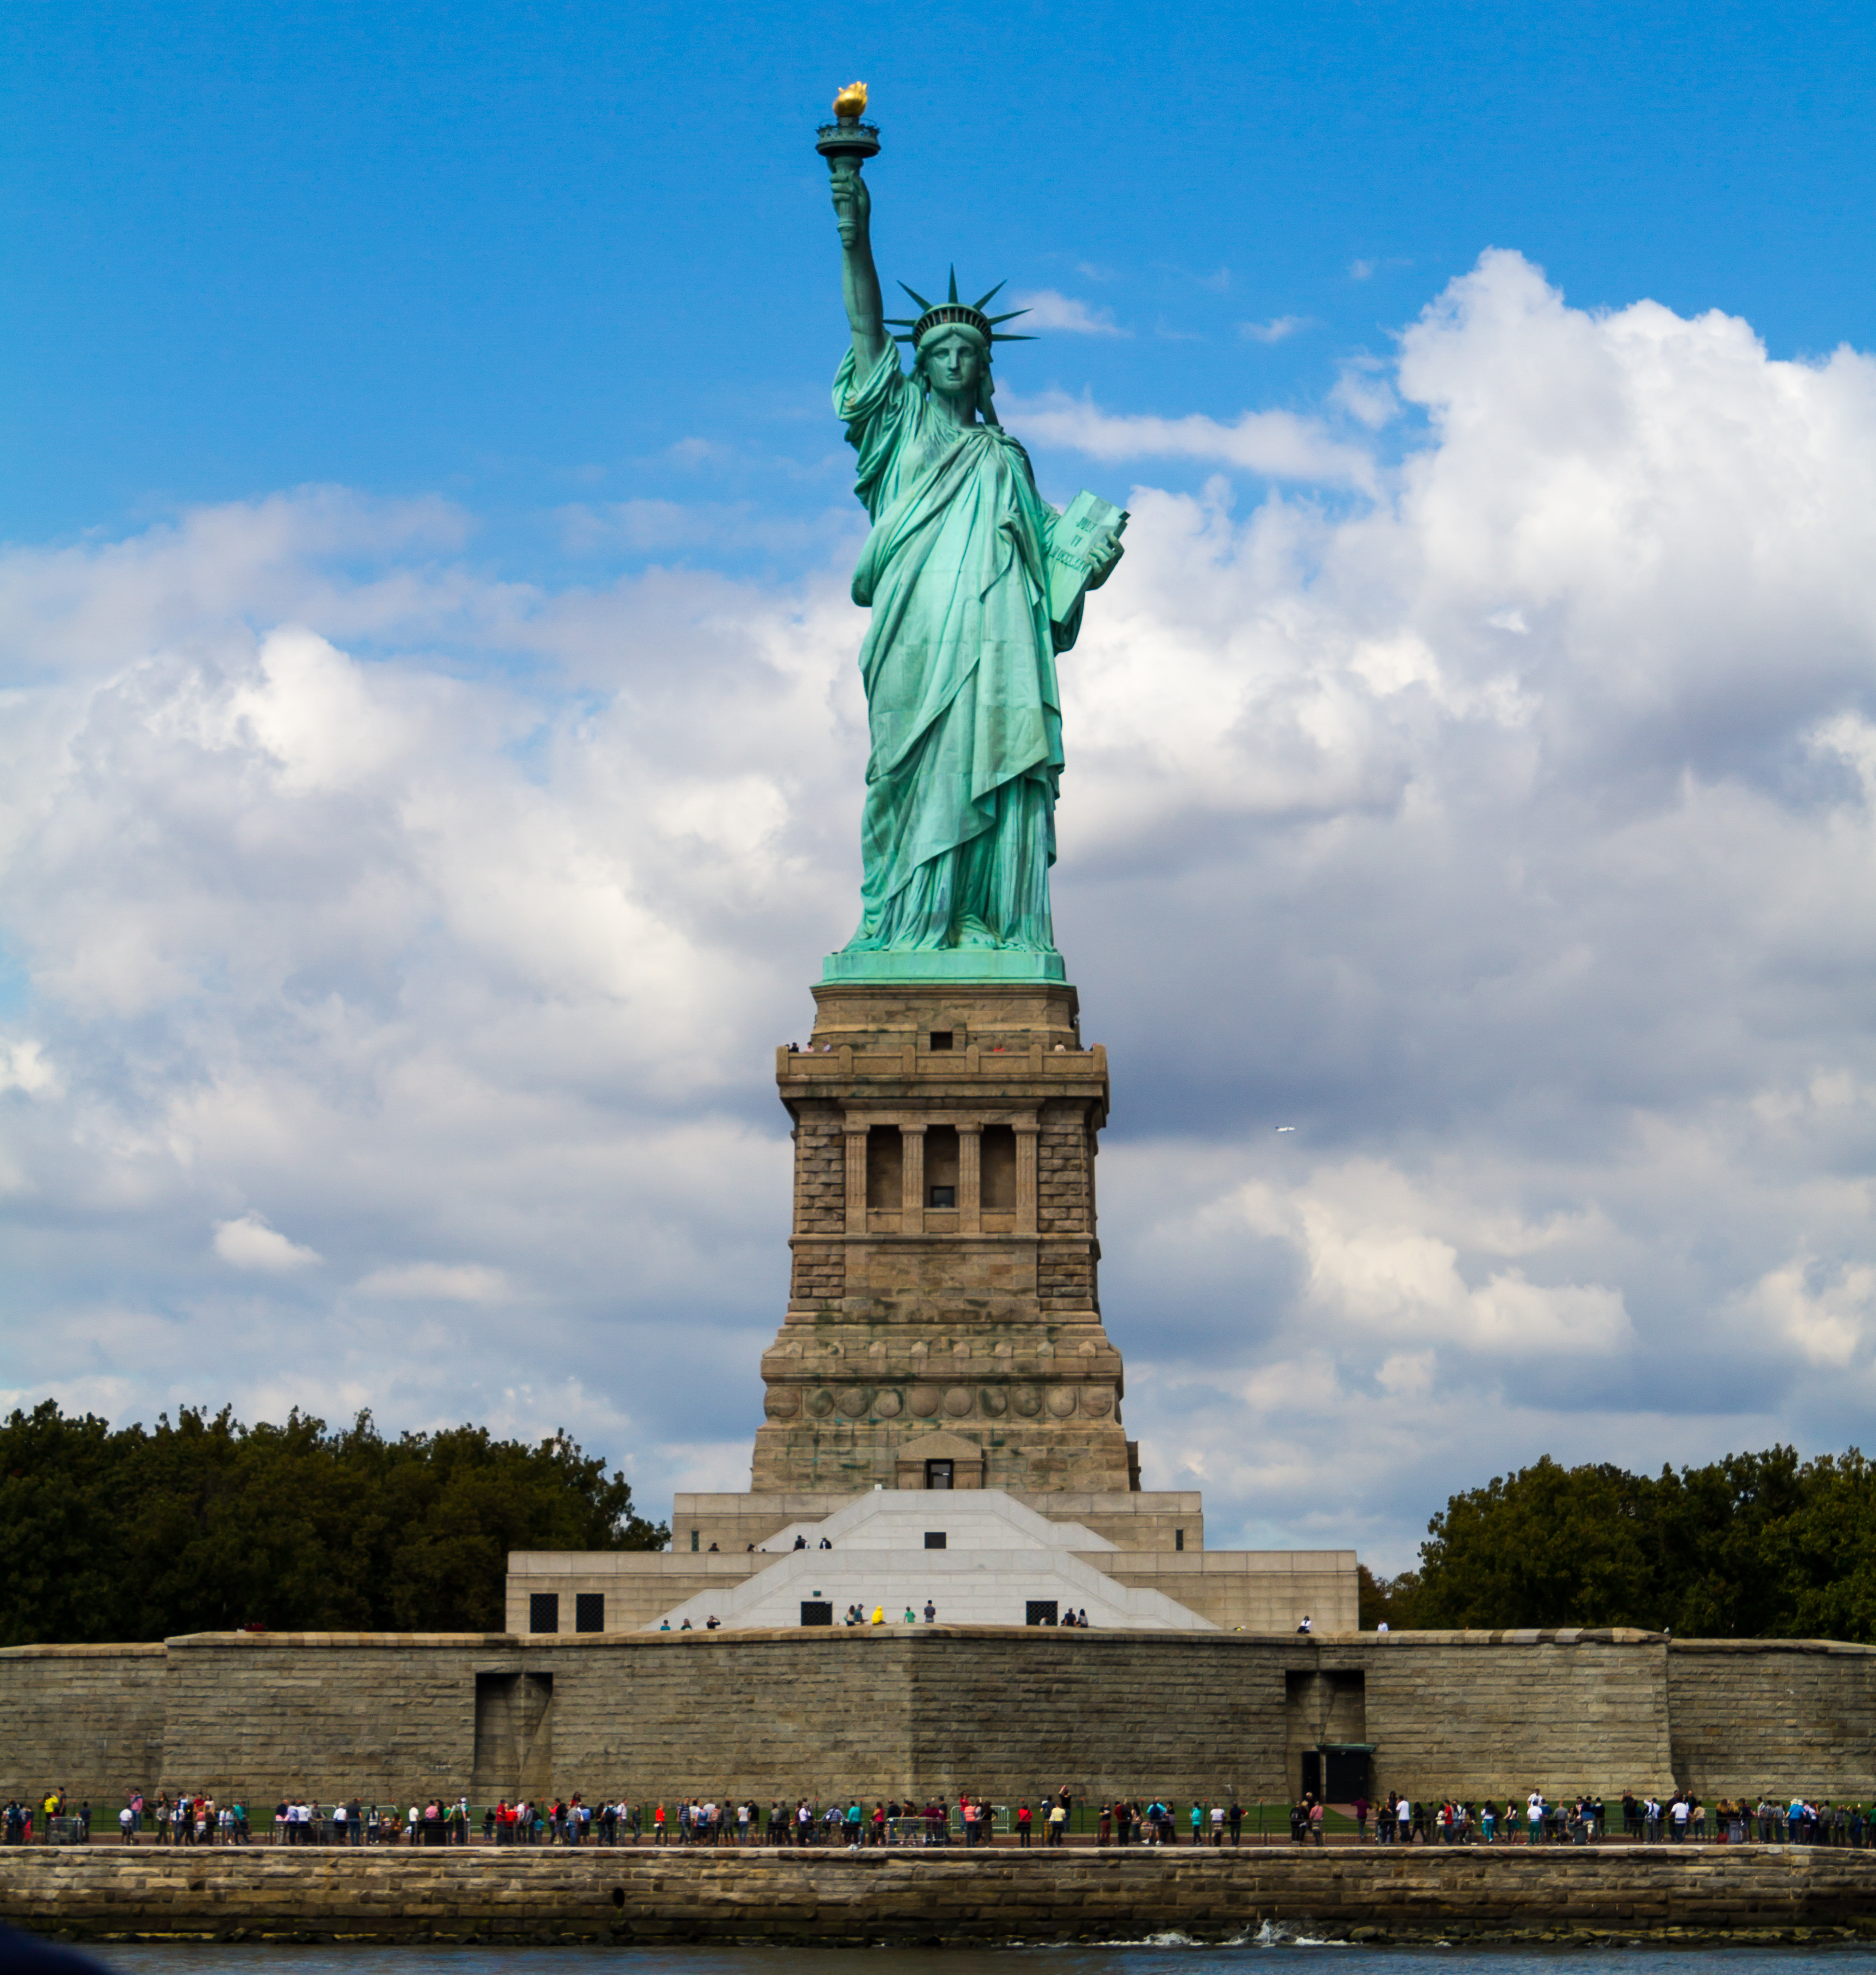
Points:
[[965, 580], [943, 963]]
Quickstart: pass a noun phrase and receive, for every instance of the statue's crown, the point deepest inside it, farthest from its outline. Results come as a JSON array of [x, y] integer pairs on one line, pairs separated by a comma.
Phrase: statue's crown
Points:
[[968, 315]]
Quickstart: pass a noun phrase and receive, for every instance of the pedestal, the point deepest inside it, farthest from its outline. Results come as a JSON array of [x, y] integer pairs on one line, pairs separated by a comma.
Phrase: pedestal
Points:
[[944, 1325]]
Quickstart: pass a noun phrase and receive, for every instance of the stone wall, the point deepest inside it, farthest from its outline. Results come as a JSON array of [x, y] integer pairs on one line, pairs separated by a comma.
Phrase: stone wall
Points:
[[89, 1719], [383, 1715], [1253, 1590], [1486, 1714], [1750, 1715], [1003, 1711], [1613, 1894]]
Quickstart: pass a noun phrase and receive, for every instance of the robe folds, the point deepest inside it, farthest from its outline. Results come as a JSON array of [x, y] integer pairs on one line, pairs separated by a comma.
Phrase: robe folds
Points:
[[965, 719]]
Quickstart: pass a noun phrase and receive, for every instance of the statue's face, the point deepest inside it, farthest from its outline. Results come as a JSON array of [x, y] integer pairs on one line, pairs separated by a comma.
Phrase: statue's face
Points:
[[954, 360]]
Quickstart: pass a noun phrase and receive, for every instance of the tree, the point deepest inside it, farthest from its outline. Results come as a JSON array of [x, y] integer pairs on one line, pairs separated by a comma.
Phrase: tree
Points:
[[204, 1524], [1753, 1546]]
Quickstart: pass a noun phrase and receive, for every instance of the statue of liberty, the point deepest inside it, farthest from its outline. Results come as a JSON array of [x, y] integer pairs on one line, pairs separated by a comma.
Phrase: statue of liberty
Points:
[[975, 584]]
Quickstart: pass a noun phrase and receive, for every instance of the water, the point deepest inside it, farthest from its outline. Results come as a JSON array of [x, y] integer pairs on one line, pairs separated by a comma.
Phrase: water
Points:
[[1273, 1951]]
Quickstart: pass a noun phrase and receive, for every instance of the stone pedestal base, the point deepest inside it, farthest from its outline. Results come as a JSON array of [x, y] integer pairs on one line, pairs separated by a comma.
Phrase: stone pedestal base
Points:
[[944, 1327]]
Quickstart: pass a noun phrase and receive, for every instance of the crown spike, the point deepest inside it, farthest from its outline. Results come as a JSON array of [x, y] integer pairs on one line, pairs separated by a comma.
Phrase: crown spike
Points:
[[991, 296], [916, 297], [952, 296], [1013, 338], [1009, 315]]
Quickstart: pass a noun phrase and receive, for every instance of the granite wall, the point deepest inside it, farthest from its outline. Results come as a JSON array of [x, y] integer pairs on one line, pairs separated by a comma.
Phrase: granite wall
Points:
[[86, 1719], [1754, 1714], [1005, 1713]]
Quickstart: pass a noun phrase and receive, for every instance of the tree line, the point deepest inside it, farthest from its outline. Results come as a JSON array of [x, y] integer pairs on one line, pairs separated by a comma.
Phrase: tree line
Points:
[[202, 1524], [1757, 1546]]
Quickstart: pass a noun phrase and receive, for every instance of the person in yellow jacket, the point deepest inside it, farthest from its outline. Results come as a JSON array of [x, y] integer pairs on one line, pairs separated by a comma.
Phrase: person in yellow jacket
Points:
[[879, 1614]]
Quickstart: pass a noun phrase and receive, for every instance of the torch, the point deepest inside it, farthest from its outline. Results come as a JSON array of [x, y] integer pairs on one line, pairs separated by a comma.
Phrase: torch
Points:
[[846, 143]]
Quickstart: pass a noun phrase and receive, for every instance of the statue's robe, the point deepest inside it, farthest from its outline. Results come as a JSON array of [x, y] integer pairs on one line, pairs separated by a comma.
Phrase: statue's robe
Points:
[[958, 830]]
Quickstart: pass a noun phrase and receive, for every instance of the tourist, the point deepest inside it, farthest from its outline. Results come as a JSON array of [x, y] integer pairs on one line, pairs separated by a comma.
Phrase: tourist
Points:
[[1217, 1827], [1058, 1823], [1022, 1824], [1360, 1807], [1236, 1815], [910, 1616], [930, 1612], [1404, 1821], [1305, 1626], [879, 1614], [1104, 1828]]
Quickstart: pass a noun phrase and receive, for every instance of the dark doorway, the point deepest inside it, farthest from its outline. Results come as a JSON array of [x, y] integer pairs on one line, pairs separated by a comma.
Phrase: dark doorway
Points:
[[996, 1169], [885, 1169], [817, 1611], [543, 1610], [935, 1538], [941, 1166], [938, 1474], [1040, 1612], [589, 1612], [1347, 1774]]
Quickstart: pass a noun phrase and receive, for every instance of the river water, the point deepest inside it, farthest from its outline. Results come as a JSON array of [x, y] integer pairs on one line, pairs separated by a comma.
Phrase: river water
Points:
[[1268, 1954]]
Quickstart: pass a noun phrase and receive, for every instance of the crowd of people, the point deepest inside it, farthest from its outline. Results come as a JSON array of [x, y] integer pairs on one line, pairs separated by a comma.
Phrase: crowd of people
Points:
[[1680, 1817], [187, 1819]]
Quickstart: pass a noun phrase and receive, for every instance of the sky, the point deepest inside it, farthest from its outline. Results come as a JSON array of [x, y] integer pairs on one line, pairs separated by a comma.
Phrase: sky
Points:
[[432, 744]]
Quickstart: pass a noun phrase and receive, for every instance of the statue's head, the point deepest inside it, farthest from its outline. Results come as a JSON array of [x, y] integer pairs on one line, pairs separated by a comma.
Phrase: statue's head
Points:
[[951, 341], [954, 360]]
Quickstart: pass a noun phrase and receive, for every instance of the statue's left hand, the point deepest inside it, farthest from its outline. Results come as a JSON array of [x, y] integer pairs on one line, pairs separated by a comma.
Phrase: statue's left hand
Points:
[[1104, 560]]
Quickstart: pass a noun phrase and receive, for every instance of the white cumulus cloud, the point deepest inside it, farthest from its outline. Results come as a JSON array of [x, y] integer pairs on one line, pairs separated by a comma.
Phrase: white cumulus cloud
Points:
[[1049, 311], [249, 1243], [1506, 823]]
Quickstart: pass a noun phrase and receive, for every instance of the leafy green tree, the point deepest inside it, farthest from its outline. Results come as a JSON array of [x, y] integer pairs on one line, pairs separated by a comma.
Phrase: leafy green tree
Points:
[[1392, 1599], [204, 1524], [1753, 1546]]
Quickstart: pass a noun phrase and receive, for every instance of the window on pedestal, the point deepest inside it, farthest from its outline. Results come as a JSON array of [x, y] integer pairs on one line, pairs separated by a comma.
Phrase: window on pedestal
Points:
[[938, 1475], [941, 1166], [999, 1168], [885, 1166]]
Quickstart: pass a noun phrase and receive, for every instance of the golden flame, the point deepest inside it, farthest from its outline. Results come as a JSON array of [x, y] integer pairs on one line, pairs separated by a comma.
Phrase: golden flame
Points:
[[851, 100]]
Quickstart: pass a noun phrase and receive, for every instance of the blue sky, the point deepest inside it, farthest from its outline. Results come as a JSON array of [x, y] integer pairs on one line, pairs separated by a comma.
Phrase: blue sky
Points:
[[516, 254], [431, 745]]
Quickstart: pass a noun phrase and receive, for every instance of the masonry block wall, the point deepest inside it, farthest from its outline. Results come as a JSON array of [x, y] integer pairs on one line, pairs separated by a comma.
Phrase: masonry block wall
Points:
[[1486, 1714], [383, 1715], [89, 1720], [1004, 1712], [1753, 1714], [943, 1251]]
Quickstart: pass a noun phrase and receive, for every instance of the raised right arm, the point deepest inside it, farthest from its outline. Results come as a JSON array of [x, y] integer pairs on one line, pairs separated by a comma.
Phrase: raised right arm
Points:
[[859, 279]]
